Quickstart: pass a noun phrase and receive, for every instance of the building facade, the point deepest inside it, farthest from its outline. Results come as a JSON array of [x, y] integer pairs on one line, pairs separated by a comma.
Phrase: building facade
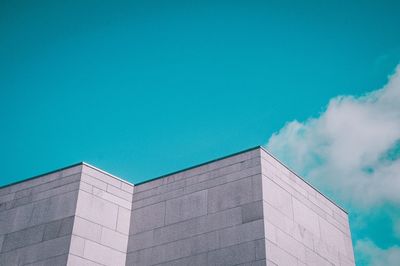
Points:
[[243, 209]]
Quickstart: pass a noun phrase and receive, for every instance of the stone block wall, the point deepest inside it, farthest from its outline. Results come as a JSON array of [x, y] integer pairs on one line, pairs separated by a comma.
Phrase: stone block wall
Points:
[[244, 209], [76, 216], [36, 219], [302, 227], [102, 217], [208, 215]]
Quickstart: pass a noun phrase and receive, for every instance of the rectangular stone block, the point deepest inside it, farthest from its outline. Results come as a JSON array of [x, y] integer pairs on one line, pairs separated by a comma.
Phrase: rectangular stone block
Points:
[[111, 198], [77, 246], [200, 225], [306, 217], [183, 248], [119, 193], [186, 207], [58, 228], [141, 257], [113, 239], [87, 229], [93, 208], [313, 259], [23, 238], [332, 235], [142, 240], [79, 261], [292, 246], [94, 182], [195, 260], [278, 197], [148, 218], [57, 260], [123, 220], [241, 233], [127, 187], [230, 195], [279, 256], [103, 255], [101, 175], [233, 255], [137, 204], [252, 211]]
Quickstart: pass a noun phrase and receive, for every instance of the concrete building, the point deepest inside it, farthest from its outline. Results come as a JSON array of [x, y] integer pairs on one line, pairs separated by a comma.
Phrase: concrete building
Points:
[[243, 209]]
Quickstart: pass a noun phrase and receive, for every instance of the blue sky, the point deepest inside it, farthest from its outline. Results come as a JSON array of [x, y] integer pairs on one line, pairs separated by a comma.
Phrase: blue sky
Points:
[[142, 88]]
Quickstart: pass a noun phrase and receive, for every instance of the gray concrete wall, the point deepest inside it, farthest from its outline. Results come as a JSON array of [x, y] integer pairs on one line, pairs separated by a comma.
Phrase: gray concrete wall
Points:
[[302, 227], [36, 219], [208, 215], [245, 209], [76, 216], [102, 217]]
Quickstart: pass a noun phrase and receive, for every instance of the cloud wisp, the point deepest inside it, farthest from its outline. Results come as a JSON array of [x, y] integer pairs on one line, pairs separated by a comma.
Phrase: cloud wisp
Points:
[[352, 148], [351, 151], [373, 255]]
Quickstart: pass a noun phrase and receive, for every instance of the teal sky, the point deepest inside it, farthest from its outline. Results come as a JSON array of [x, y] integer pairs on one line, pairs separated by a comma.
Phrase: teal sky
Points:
[[142, 88]]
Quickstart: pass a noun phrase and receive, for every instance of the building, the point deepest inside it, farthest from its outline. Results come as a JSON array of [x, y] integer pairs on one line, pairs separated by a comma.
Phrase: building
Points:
[[243, 209]]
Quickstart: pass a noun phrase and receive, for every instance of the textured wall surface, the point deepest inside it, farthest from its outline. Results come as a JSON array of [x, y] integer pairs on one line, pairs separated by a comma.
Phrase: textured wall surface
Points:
[[36, 219], [302, 227], [102, 217], [208, 215], [76, 216], [244, 209]]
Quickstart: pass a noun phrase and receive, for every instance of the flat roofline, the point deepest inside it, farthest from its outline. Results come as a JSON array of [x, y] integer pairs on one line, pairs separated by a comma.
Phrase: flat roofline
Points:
[[301, 178], [40, 175], [64, 168], [107, 173], [197, 165], [237, 153], [176, 172]]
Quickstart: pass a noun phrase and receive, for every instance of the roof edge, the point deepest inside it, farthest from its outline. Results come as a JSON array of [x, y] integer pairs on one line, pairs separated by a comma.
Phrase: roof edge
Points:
[[40, 175], [64, 168], [107, 173], [237, 153], [301, 178], [175, 172], [198, 165]]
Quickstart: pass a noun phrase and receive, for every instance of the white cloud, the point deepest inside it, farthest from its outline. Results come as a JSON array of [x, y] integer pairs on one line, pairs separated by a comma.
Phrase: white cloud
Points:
[[372, 255], [350, 149]]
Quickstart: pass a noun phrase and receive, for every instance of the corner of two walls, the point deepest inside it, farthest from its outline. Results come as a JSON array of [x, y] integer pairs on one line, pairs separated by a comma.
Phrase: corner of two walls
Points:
[[246, 208], [207, 215], [302, 227], [102, 219], [36, 218]]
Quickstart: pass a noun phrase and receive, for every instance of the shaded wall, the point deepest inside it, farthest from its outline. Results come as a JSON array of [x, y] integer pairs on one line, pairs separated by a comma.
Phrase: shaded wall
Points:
[[245, 209], [36, 219], [208, 215], [76, 216]]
